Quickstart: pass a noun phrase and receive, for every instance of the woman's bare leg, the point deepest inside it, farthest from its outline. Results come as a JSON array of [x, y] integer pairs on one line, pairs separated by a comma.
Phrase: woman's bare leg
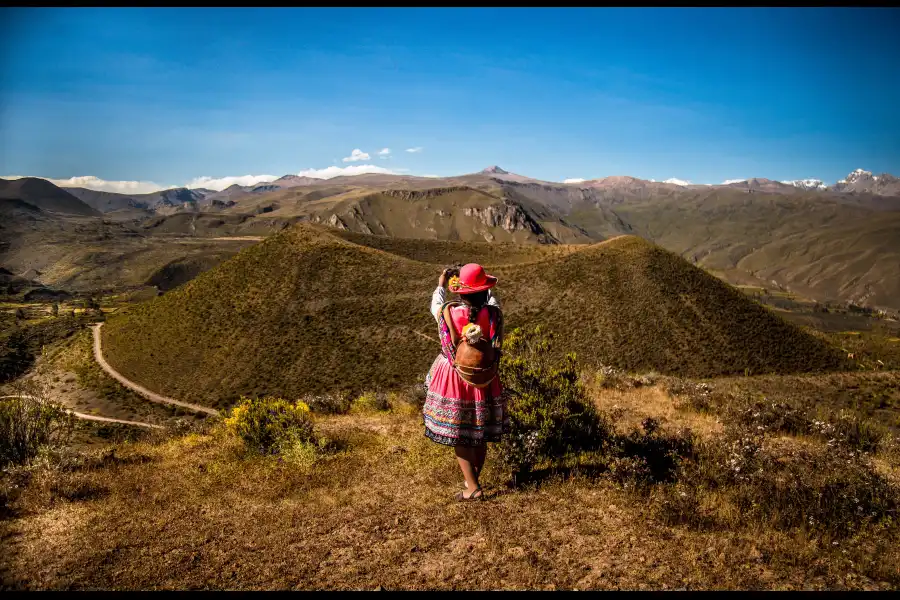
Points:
[[468, 458], [478, 462], [481, 454]]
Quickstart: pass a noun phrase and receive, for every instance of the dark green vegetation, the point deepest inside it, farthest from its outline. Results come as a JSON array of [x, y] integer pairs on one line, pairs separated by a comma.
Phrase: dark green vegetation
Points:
[[742, 477], [307, 311], [29, 422], [21, 344], [872, 395]]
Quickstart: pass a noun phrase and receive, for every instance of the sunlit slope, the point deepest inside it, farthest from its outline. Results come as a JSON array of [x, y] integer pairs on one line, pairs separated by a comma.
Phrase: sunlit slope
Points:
[[307, 310]]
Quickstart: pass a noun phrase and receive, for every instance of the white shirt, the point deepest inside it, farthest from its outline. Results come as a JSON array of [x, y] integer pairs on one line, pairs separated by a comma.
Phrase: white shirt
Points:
[[439, 297]]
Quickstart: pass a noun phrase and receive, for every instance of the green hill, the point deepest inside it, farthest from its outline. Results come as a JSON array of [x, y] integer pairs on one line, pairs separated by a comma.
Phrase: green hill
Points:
[[308, 310]]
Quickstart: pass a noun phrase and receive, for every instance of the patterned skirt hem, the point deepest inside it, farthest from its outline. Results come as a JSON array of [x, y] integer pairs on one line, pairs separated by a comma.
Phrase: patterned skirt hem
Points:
[[468, 442]]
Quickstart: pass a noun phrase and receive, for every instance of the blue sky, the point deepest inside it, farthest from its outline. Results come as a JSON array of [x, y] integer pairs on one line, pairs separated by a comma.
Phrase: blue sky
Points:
[[172, 95]]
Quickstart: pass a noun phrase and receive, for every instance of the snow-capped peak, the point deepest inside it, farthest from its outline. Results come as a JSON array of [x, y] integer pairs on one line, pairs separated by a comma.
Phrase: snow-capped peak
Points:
[[856, 176], [677, 181], [807, 184]]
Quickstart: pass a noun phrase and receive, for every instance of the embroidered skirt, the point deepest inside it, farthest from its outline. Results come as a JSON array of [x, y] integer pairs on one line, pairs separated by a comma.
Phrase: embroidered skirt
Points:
[[459, 414]]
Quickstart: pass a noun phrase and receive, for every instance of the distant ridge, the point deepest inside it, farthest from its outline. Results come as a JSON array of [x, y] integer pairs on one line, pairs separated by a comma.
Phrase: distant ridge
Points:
[[43, 195]]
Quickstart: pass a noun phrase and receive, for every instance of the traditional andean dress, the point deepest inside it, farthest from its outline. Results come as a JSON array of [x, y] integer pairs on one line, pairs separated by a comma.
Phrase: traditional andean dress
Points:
[[458, 413]]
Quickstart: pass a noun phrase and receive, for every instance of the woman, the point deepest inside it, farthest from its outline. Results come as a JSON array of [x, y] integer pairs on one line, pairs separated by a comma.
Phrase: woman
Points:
[[464, 406]]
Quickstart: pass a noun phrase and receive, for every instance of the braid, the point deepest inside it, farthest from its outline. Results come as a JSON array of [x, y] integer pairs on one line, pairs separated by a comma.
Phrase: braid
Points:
[[475, 302]]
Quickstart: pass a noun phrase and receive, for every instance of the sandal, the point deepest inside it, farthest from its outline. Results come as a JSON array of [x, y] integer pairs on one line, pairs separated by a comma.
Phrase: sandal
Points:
[[461, 496]]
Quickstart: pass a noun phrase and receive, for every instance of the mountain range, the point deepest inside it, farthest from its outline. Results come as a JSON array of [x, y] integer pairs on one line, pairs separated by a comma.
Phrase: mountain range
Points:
[[831, 243], [167, 201]]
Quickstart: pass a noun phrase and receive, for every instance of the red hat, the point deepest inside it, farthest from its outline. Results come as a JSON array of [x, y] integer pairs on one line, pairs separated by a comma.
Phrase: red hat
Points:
[[472, 278]]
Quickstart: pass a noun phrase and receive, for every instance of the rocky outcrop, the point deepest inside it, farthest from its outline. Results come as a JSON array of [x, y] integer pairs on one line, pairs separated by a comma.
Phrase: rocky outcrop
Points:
[[413, 195], [332, 221], [335, 221], [508, 216]]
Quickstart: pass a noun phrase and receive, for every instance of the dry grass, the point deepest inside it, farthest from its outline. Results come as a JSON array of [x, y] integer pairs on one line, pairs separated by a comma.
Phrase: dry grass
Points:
[[193, 513], [634, 405]]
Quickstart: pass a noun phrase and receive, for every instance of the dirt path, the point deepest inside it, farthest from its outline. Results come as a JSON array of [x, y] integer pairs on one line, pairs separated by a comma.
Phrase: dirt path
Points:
[[96, 418], [152, 396], [110, 420]]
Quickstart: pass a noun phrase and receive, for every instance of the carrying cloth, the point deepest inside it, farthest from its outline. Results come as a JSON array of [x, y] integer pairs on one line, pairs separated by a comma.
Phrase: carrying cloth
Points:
[[477, 362]]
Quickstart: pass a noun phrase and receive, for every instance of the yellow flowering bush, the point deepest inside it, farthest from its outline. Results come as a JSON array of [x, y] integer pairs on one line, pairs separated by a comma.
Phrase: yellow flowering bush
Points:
[[269, 425], [370, 402]]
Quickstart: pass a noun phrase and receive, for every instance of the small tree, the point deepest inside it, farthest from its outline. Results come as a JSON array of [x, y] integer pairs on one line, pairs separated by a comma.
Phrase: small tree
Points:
[[29, 422]]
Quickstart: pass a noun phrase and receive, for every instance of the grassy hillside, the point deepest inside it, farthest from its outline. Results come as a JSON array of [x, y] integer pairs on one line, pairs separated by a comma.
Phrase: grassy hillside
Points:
[[307, 310], [823, 248]]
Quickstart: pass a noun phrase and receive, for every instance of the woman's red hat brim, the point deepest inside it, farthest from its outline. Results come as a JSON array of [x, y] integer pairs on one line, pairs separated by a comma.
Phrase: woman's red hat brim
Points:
[[491, 282]]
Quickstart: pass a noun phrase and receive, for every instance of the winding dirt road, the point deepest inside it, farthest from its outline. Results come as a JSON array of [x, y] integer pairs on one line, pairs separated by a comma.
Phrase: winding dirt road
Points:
[[96, 418], [152, 396]]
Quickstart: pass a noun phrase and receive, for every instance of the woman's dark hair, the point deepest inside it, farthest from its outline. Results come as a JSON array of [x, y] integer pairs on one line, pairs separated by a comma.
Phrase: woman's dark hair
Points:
[[474, 301]]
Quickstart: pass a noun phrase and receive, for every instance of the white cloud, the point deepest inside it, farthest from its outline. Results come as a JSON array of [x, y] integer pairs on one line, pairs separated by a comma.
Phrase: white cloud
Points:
[[219, 184], [356, 156], [384, 153], [415, 150], [432, 176], [677, 181], [211, 183], [329, 172], [91, 182], [730, 181], [575, 180]]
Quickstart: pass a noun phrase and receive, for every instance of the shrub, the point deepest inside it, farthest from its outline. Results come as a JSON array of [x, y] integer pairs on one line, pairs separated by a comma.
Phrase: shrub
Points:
[[270, 425], [329, 404], [690, 394], [609, 377], [19, 347], [370, 402], [648, 456], [787, 415], [29, 423], [415, 394], [831, 490], [845, 429], [551, 418]]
